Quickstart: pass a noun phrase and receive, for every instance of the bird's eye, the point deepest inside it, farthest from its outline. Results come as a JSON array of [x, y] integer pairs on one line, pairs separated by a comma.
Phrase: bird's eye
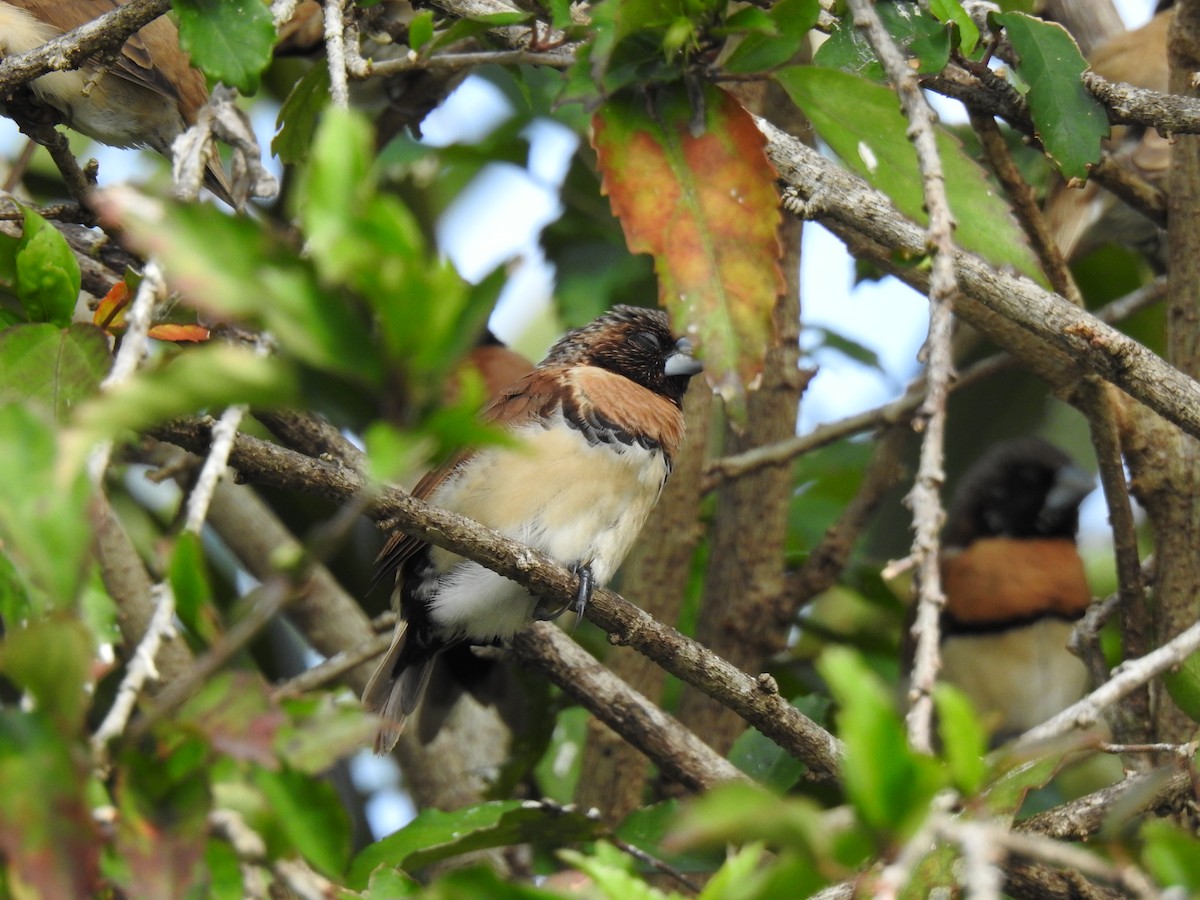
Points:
[[646, 340]]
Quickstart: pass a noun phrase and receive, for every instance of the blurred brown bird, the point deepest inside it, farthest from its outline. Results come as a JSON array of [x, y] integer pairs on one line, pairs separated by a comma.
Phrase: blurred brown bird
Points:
[[1015, 585], [146, 97], [495, 363], [598, 423], [1085, 218]]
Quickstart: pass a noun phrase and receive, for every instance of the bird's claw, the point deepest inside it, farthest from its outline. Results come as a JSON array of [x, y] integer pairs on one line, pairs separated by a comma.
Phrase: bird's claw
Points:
[[583, 596]]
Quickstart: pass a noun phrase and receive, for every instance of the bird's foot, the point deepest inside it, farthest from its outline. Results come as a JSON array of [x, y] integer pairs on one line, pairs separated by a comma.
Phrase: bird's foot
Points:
[[583, 595], [543, 612]]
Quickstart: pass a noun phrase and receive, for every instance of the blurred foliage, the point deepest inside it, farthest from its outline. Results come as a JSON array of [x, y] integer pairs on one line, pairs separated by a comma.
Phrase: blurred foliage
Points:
[[367, 321]]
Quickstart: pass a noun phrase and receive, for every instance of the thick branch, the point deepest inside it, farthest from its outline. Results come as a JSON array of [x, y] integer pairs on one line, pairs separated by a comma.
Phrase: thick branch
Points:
[[757, 700], [676, 750], [71, 50], [844, 203]]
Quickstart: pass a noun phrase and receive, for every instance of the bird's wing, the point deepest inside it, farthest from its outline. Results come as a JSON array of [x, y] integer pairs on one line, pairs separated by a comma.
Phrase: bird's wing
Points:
[[532, 398]]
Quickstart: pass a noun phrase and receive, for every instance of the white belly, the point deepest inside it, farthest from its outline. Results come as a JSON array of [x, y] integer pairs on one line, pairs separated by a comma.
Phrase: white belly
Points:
[[575, 502], [1017, 678]]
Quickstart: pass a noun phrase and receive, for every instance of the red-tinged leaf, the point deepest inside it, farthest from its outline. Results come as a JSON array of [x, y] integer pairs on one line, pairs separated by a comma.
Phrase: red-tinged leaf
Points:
[[237, 718], [48, 839], [163, 800], [110, 313], [705, 208], [170, 332]]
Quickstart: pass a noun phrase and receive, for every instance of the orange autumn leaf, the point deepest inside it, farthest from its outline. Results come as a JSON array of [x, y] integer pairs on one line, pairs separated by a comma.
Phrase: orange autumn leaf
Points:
[[171, 332], [110, 313], [704, 206]]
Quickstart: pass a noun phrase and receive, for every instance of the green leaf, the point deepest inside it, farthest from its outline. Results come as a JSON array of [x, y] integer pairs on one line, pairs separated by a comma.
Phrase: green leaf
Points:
[[703, 204], [918, 35], [848, 347], [758, 52], [478, 882], [53, 367], [1172, 855], [951, 11], [161, 826], [310, 813], [863, 124], [736, 813], [435, 835], [229, 40], [559, 769], [765, 761], [609, 871], [223, 872], [1006, 794], [1183, 684], [297, 120], [731, 879], [427, 315], [230, 266], [964, 739], [322, 730], [48, 839], [420, 29], [1069, 120], [234, 715], [44, 527], [388, 884], [888, 783], [205, 378], [650, 829], [47, 273], [188, 576], [51, 658]]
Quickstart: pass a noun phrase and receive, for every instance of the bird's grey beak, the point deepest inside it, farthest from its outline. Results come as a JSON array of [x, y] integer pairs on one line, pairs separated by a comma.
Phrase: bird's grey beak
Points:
[[681, 362], [1070, 487]]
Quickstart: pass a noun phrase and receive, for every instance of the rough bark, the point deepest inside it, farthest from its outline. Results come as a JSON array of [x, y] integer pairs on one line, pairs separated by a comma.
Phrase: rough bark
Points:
[[656, 577], [745, 577]]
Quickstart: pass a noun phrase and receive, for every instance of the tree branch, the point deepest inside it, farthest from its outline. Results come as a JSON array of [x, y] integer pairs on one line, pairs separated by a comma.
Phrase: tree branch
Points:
[[73, 49], [844, 203], [757, 700], [677, 751]]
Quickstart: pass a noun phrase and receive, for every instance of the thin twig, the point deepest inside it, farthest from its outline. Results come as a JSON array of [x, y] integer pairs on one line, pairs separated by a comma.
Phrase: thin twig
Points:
[[654, 862], [1024, 204], [283, 10], [133, 350], [1049, 329], [335, 51], [1127, 677], [140, 670], [556, 59], [900, 410], [224, 431], [925, 499], [757, 699], [333, 668]]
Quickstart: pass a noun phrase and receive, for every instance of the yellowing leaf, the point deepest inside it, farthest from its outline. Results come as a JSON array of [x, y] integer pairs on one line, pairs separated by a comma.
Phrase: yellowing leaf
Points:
[[703, 204], [172, 332], [110, 312]]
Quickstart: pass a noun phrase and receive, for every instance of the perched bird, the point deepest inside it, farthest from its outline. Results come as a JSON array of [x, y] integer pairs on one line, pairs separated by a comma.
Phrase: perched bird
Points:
[[1087, 217], [145, 97], [1015, 585], [496, 364], [597, 424]]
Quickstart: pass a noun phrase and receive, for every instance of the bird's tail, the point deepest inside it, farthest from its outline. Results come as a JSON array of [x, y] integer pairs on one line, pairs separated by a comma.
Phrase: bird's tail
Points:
[[397, 686]]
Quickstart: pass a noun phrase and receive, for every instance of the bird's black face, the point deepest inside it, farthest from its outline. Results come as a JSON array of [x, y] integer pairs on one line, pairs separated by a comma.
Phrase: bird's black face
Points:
[[1022, 489], [633, 342]]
